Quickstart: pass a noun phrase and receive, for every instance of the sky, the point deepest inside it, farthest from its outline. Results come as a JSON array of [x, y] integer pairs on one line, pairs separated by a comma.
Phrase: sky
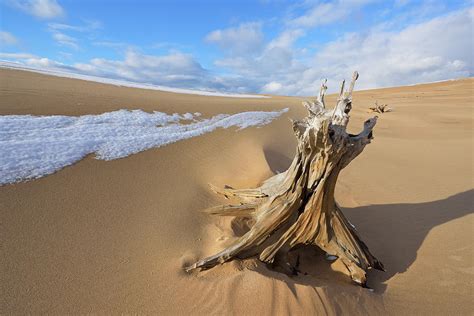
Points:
[[262, 46]]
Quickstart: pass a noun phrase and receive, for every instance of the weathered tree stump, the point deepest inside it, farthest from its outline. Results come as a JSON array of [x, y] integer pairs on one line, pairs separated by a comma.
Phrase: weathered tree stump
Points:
[[297, 206], [380, 108]]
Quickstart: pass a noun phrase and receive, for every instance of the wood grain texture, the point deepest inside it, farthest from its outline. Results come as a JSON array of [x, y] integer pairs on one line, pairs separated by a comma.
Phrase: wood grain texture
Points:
[[297, 206]]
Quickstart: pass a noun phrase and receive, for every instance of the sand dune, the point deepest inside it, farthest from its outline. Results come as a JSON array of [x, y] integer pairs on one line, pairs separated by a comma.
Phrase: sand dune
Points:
[[120, 83], [112, 236]]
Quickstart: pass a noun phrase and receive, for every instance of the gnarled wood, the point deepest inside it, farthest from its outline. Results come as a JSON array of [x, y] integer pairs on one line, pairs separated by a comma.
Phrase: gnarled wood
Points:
[[297, 206], [380, 108]]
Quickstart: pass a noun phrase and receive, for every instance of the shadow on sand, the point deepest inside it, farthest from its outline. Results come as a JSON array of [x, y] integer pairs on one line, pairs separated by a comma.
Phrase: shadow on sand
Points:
[[400, 229], [393, 233]]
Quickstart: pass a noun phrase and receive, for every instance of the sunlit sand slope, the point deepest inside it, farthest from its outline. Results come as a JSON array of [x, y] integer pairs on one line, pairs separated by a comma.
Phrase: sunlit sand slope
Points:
[[113, 236]]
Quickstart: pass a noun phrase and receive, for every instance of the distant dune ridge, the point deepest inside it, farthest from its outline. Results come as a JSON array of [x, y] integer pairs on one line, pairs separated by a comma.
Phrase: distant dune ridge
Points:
[[112, 236], [122, 83]]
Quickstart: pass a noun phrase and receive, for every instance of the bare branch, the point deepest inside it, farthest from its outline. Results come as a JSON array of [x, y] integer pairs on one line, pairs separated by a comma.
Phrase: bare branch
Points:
[[322, 92], [355, 76]]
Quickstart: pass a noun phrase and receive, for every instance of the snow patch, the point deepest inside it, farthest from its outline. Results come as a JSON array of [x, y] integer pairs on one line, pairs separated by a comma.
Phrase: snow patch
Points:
[[34, 146], [122, 83]]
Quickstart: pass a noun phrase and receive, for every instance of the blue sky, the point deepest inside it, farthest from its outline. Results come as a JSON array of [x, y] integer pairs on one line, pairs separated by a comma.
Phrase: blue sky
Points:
[[266, 46]]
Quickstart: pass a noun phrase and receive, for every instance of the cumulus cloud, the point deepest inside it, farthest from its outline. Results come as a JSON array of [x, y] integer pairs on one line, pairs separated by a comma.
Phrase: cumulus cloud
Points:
[[44, 63], [174, 70], [286, 39], [7, 39], [272, 59], [437, 49], [245, 39], [167, 69], [273, 62], [44, 9], [35, 61], [272, 87], [434, 50]]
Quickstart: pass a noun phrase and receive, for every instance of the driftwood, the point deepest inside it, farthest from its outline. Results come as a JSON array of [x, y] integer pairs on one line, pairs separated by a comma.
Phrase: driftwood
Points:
[[297, 207], [380, 108]]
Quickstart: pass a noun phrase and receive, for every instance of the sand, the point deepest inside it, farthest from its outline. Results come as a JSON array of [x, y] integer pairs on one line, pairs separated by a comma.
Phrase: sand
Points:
[[112, 237]]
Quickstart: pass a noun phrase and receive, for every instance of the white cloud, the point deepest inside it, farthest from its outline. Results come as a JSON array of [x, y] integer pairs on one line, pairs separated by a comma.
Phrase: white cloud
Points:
[[270, 60], [33, 60], [434, 50], [7, 39], [16, 56], [437, 49], [272, 87], [89, 25], [245, 39], [176, 67], [286, 39], [43, 63], [173, 70], [65, 40], [44, 9], [322, 13], [58, 32], [110, 44]]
